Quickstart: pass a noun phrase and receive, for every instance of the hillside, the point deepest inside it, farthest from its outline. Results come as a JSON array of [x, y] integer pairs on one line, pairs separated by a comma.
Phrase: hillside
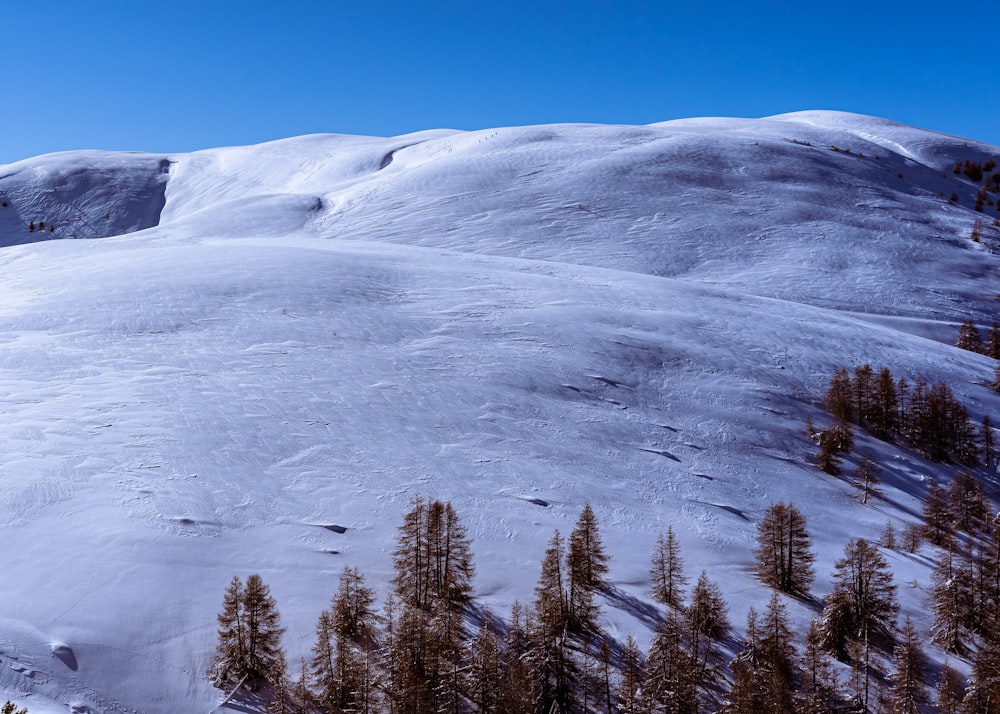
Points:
[[215, 356]]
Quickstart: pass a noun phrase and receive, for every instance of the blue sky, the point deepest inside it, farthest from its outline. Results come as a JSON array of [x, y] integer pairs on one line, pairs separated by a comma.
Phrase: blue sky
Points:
[[178, 76]]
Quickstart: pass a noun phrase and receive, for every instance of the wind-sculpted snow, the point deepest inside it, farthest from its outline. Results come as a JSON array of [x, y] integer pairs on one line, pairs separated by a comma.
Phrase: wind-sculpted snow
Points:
[[82, 194], [517, 320]]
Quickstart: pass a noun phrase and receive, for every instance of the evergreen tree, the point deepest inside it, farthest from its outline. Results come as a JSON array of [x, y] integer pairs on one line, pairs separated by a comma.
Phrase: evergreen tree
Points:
[[667, 571], [630, 696], [862, 606], [967, 503], [671, 681], [950, 691], [783, 557], [909, 667], [937, 517], [820, 691], [951, 601], [706, 623], [749, 694], [553, 669], [885, 406], [982, 695], [516, 694], [230, 652], [866, 476], [586, 566], [777, 658], [433, 557], [987, 441], [969, 337], [264, 656], [344, 635], [249, 646], [839, 397], [485, 668], [993, 342]]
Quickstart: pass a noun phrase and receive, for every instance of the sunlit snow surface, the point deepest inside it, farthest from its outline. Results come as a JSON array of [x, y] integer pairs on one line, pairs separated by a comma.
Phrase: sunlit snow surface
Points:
[[310, 332]]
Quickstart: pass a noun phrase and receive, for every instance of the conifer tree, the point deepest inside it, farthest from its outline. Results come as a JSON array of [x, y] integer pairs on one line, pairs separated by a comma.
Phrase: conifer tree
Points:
[[937, 517], [553, 669], [516, 694], [950, 691], [820, 692], [993, 341], [987, 441], [862, 606], [783, 556], [969, 337], [667, 571], [909, 667], [485, 668], [839, 397], [586, 566], [344, 635], [264, 656], [866, 476], [777, 657], [671, 679], [230, 652], [630, 695], [706, 622], [951, 601], [433, 557], [885, 406], [748, 693], [249, 646]]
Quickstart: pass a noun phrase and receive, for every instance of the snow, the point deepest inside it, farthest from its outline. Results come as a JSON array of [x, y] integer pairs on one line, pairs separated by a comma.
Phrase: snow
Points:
[[269, 341]]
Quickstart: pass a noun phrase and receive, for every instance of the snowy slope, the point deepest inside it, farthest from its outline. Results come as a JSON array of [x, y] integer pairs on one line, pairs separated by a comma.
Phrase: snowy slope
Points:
[[308, 332]]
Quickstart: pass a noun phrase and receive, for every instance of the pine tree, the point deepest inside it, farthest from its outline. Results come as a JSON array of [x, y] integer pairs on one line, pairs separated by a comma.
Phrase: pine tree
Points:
[[839, 397], [586, 566], [777, 657], [988, 444], [748, 694], [866, 476], [950, 691], [433, 557], [553, 671], [993, 342], [982, 695], [967, 503], [630, 696], [344, 635], [888, 540], [783, 557], [909, 670], [516, 694], [249, 646], [706, 622], [951, 601], [667, 571], [885, 406], [937, 517], [862, 606], [671, 680], [969, 337], [264, 656], [820, 691], [230, 652]]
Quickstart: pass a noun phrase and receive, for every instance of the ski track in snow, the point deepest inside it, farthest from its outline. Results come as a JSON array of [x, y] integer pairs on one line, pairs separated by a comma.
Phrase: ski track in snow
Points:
[[273, 348]]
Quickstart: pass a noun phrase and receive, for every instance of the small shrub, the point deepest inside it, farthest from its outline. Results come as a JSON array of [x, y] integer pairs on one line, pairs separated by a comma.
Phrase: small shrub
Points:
[[953, 198], [31, 226], [899, 175]]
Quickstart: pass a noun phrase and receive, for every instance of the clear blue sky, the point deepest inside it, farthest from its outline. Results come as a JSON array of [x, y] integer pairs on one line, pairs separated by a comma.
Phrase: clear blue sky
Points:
[[180, 75]]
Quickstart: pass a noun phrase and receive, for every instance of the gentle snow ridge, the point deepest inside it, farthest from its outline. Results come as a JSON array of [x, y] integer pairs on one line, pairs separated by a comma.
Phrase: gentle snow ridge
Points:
[[274, 339]]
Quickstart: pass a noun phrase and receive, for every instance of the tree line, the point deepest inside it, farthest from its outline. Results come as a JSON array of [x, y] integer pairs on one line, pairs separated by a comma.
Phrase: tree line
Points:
[[926, 416], [430, 649]]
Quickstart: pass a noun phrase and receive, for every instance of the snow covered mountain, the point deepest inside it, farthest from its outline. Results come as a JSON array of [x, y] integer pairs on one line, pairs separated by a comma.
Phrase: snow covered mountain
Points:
[[272, 348]]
